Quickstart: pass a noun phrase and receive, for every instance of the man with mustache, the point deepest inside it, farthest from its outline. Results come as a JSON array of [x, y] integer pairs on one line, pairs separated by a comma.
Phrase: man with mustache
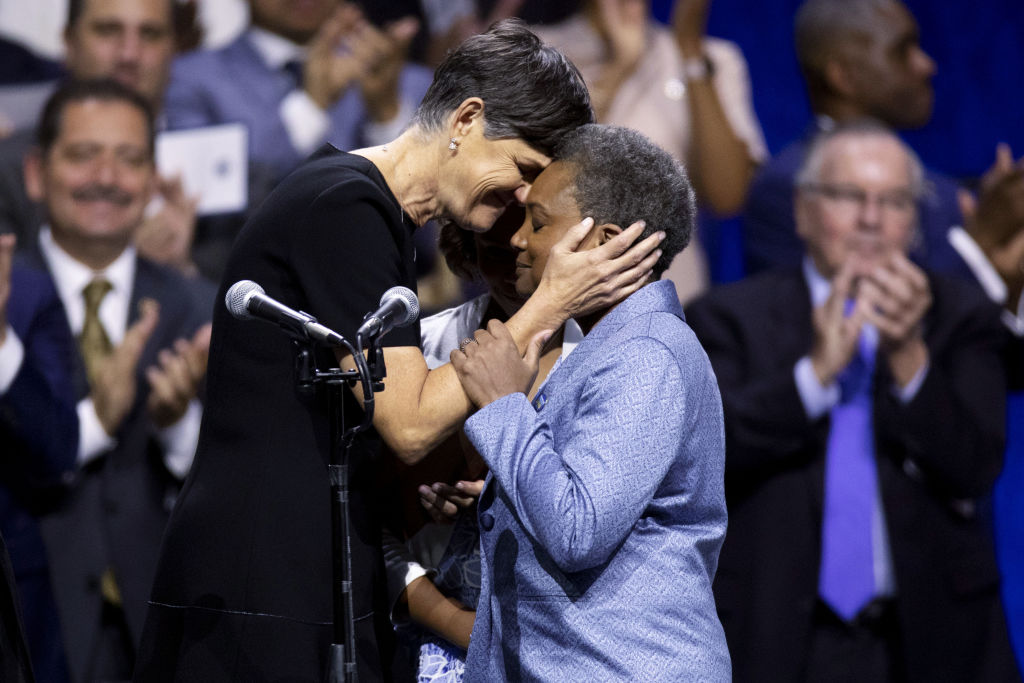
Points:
[[864, 415], [133, 42], [143, 344]]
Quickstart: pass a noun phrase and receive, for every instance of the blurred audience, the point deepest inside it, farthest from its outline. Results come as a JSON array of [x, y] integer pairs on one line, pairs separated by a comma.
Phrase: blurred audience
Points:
[[300, 75], [39, 430], [133, 42], [863, 59], [18, 64], [688, 92], [860, 440], [142, 346]]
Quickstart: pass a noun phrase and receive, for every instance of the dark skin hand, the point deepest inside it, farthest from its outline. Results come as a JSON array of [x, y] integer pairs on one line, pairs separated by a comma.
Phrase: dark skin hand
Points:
[[491, 367]]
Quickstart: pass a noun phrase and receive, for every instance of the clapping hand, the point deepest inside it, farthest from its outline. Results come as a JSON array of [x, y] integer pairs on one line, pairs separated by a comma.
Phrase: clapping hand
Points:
[[836, 330], [166, 236], [384, 57], [995, 219], [349, 50], [174, 382], [113, 383], [897, 295], [689, 25]]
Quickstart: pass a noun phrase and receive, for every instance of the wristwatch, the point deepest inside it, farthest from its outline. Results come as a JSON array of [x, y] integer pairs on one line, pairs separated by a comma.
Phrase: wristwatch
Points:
[[698, 69]]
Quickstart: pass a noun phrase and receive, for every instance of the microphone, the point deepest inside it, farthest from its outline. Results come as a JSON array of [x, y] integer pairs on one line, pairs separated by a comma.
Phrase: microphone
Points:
[[246, 300], [398, 307]]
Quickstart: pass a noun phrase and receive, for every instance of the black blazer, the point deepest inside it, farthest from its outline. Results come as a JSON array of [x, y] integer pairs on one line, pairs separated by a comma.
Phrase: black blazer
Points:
[[936, 455], [114, 513], [39, 441]]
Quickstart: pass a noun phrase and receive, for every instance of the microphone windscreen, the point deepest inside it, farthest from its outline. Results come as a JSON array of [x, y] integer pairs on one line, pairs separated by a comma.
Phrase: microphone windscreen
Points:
[[411, 305], [237, 298]]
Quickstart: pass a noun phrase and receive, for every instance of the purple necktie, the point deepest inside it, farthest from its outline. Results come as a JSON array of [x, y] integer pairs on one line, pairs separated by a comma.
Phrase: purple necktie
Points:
[[847, 579]]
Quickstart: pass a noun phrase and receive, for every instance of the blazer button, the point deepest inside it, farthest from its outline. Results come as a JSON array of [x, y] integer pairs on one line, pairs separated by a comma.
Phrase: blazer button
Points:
[[487, 521]]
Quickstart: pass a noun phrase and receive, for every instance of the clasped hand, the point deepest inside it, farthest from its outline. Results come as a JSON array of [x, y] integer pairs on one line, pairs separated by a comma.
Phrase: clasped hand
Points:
[[893, 297], [173, 382], [491, 367], [349, 49]]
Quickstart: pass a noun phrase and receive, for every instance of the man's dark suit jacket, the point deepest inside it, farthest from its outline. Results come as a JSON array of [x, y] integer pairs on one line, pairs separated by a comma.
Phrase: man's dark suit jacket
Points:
[[114, 514], [39, 433], [769, 232], [936, 455]]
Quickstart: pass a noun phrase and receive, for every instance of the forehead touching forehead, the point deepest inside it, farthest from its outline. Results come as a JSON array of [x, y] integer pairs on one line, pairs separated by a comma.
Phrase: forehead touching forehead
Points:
[[554, 189]]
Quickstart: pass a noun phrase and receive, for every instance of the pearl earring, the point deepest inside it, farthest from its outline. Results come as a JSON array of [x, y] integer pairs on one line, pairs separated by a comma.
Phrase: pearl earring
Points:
[[452, 144]]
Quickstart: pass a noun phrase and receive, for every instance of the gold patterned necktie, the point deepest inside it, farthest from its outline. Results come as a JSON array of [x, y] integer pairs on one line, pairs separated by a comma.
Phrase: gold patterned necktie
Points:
[[93, 341]]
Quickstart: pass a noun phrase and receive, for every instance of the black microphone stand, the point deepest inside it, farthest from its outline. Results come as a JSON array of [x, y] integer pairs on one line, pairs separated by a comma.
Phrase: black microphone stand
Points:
[[342, 655]]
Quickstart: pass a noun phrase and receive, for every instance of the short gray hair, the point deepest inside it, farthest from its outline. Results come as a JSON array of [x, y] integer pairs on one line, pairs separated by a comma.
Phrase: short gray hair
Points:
[[814, 160], [622, 177]]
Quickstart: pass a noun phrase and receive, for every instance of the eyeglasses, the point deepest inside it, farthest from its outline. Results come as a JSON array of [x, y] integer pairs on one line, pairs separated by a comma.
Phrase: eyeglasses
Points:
[[852, 200]]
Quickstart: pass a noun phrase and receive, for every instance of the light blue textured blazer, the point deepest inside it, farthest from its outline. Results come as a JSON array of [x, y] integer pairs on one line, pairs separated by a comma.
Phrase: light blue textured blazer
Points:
[[604, 511]]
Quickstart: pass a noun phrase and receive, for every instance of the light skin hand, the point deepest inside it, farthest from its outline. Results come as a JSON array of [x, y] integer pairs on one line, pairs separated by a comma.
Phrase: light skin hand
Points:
[[166, 236], [898, 296], [175, 381], [622, 26], [576, 283], [7, 243], [835, 333], [384, 55], [113, 387], [328, 72], [492, 367], [689, 25]]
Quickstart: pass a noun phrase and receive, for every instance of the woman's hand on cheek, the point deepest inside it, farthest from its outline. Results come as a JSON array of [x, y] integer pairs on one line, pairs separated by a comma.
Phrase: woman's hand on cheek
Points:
[[581, 282]]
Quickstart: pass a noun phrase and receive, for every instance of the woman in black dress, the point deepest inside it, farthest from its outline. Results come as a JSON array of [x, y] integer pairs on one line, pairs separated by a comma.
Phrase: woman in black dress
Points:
[[243, 591]]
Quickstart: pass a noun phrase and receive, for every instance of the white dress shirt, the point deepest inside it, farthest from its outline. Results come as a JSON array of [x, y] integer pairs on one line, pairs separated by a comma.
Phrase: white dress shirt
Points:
[[12, 353], [987, 276], [818, 400], [70, 277], [306, 123]]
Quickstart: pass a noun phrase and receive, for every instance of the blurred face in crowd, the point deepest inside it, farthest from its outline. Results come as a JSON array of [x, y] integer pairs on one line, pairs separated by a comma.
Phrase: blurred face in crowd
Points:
[[551, 210], [891, 74], [97, 177], [496, 260], [131, 41], [861, 207], [296, 20]]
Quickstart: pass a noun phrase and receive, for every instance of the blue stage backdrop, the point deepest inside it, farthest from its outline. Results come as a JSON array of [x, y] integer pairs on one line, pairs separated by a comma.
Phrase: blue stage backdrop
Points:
[[978, 47]]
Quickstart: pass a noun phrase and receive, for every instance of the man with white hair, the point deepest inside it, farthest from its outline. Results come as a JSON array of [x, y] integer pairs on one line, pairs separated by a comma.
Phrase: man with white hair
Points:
[[864, 408]]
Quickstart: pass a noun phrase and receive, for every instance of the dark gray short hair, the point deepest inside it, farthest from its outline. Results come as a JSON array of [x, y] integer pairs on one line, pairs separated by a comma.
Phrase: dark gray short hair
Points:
[[72, 91], [622, 177], [530, 90]]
